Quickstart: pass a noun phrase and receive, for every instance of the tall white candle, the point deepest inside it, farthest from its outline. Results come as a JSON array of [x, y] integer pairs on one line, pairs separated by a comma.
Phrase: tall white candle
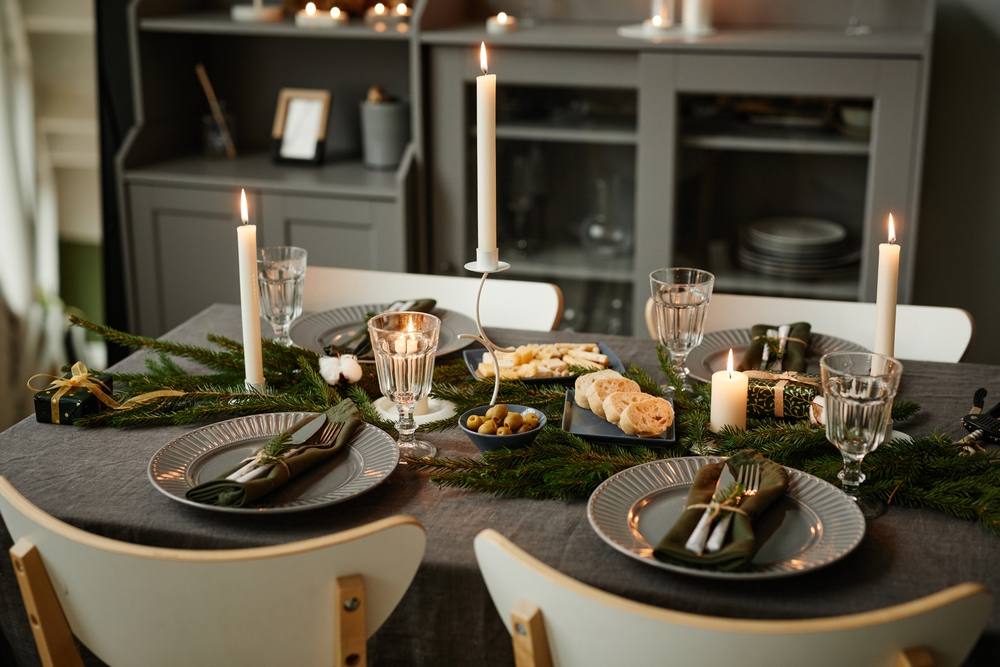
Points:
[[885, 295], [246, 236], [729, 398], [487, 254]]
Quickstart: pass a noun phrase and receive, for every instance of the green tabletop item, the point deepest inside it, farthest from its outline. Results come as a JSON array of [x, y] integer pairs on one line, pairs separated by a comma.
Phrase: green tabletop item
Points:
[[796, 346], [741, 544], [223, 491]]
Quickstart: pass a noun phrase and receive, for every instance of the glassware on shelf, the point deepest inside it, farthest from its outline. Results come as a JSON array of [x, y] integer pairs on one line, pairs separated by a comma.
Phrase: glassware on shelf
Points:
[[281, 272], [527, 198], [680, 301], [608, 231], [405, 344], [856, 26], [858, 391]]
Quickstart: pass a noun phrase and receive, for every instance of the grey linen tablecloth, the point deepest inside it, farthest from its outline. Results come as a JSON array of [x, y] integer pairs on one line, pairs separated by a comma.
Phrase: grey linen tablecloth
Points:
[[96, 480]]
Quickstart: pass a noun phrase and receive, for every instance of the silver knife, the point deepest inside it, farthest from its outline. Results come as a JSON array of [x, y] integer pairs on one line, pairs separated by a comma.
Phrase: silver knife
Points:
[[765, 354], [783, 332], [306, 428], [699, 536]]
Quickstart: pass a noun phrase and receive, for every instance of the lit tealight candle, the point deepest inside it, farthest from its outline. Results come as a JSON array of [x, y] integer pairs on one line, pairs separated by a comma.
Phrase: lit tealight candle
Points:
[[338, 16], [501, 23], [246, 237], [380, 17], [885, 295], [310, 18], [729, 398], [379, 9]]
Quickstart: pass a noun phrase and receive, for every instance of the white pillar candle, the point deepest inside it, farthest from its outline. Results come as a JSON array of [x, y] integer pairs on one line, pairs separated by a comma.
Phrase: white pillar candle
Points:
[[729, 398], [697, 17], [246, 237], [487, 254], [885, 295], [501, 23]]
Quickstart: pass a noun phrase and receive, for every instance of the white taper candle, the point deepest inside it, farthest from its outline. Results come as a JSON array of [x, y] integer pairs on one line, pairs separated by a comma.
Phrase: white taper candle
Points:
[[246, 236], [885, 294], [486, 164]]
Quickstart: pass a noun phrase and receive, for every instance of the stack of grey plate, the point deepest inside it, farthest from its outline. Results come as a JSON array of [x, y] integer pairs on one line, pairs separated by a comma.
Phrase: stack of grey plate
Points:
[[802, 248]]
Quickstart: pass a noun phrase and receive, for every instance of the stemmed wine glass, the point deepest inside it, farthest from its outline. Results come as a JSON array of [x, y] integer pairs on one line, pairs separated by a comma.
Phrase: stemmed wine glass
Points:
[[404, 344], [680, 301], [858, 391], [281, 272], [856, 26]]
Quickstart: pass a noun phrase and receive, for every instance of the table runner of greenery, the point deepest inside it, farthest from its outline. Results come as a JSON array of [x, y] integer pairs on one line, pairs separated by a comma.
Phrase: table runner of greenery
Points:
[[928, 472]]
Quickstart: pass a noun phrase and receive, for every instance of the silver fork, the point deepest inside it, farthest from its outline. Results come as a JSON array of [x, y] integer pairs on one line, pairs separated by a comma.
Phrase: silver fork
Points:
[[748, 477]]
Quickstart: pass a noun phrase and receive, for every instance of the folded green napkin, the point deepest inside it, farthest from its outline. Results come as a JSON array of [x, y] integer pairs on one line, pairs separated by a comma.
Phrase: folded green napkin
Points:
[[796, 346], [740, 545], [223, 491]]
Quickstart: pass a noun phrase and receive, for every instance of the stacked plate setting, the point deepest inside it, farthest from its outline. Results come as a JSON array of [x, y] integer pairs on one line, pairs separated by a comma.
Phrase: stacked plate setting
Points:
[[801, 248]]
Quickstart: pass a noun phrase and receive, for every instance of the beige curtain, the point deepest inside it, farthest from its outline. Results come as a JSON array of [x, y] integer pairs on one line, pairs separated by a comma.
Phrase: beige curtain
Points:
[[31, 314]]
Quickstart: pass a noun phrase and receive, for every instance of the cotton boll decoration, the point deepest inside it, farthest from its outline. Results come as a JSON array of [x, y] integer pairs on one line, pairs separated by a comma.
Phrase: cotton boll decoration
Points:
[[330, 369], [350, 368]]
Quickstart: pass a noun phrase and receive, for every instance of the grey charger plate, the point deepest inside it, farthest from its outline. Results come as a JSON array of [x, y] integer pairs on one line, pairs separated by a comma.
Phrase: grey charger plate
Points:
[[813, 525], [710, 356], [208, 452], [317, 330], [584, 423]]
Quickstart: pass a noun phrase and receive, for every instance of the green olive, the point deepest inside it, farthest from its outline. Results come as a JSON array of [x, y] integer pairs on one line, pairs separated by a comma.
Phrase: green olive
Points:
[[531, 418], [474, 422], [504, 430], [513, 420], [498, 412], [525, 428], [488, 427]]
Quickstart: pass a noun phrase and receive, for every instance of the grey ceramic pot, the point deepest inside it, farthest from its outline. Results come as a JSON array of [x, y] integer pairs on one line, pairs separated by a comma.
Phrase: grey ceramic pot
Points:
[[385, 132]]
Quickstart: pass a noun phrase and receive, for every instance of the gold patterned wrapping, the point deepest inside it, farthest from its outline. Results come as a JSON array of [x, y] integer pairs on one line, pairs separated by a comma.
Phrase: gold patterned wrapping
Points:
[[782, 395]]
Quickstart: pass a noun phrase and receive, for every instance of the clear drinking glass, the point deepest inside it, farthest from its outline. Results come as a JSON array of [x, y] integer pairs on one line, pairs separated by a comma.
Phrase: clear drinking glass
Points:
[[281, 272], [680, 301], [856, 25], [404, 344], [858, 391]]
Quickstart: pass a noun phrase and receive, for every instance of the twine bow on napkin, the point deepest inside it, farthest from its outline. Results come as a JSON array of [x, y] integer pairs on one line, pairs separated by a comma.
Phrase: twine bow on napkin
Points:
[[82, 378]]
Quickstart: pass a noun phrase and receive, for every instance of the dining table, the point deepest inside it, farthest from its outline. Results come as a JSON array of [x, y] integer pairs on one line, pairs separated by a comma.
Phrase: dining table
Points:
[[96, 479]]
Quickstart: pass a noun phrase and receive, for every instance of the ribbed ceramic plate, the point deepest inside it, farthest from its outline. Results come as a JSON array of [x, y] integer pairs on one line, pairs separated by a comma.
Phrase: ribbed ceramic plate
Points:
[[208, 452], [813, 525], [711, 355], [318, 330]]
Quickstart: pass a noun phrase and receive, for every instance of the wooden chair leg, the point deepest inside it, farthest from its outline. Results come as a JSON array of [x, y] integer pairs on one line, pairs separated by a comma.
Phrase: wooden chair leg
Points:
[[54, 639], [351, 631], [915, 657], [531, 644]]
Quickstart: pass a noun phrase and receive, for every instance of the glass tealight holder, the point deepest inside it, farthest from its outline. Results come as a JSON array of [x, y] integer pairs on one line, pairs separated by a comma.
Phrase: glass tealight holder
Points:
[[405, 344]]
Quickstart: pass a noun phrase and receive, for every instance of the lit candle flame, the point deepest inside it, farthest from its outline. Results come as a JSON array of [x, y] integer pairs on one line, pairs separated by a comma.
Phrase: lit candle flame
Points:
[[729, 363], [335, 12], [892, 229], [310, 8], [401, 9], [244, 214], [482, 57], [502, 18], [657, 20], [379, 8]]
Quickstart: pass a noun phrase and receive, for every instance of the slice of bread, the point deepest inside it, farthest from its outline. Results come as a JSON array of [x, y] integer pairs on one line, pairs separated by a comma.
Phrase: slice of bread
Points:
[[616, 402], [647, 418], [583, 384], [601, 388]]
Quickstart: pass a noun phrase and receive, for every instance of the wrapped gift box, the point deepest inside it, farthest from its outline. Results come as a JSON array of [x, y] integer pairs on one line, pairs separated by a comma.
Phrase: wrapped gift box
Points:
[[781, 395], [74, 403]]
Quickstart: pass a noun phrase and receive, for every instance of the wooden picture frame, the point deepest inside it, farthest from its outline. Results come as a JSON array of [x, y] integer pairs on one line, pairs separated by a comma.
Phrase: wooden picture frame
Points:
[[300, 122]]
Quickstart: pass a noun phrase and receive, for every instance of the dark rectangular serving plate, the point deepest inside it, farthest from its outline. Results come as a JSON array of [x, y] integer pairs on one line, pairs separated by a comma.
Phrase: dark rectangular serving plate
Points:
[[584, 423], [473, 357]]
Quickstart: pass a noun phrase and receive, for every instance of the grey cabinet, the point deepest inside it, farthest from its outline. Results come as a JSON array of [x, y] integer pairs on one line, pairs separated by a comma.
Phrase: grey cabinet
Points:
[[183, 253], [348, 233]]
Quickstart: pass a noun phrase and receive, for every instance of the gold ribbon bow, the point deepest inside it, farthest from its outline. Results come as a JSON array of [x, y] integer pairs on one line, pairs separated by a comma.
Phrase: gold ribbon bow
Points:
[[781, 380], [81, 378]]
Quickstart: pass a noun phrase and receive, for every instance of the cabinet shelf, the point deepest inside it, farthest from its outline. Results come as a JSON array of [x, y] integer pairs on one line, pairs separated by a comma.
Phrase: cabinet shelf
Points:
[[741, 281], [761, 139], [555, 133], [571, 263], [219, 23], [345, 178]]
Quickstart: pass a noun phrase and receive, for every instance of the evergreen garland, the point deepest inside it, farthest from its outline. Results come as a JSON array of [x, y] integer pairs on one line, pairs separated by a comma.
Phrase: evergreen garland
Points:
[[928, 472]]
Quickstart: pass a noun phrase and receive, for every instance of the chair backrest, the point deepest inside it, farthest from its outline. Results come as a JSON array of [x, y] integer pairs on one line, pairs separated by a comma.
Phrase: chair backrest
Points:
[[927, 333], [515, 304], [138, 605], [584, 626]]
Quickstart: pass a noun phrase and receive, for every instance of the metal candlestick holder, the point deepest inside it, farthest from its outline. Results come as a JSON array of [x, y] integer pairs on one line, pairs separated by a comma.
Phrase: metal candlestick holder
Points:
[[487, 263]]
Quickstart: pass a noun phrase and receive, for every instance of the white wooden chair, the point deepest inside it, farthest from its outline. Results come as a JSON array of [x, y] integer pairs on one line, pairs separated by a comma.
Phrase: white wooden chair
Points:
[[558, 621], [927, 333], [514, 304], [313, 602]]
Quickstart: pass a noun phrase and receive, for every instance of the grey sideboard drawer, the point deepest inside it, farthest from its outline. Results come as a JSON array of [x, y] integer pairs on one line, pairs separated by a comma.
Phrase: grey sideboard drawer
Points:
[[184, 252], [341, 232]]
